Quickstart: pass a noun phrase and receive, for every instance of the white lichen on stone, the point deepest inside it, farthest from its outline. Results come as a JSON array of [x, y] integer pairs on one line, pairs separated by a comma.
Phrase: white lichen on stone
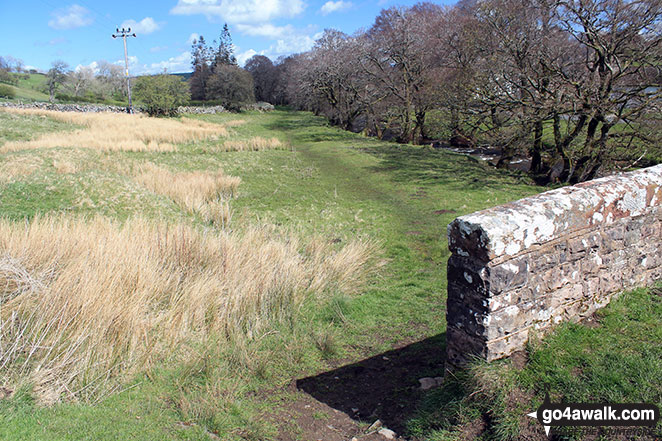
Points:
[[513, 228]]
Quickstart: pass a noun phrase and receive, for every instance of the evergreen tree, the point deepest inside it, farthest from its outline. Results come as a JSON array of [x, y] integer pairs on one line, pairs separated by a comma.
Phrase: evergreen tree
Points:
[[225, 53], [200, 62]]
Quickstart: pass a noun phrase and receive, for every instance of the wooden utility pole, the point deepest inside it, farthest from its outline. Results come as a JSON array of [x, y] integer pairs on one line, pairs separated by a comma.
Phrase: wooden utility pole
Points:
[[123, 34]]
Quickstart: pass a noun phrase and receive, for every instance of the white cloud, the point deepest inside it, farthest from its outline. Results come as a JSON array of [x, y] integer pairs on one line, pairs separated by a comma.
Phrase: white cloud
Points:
[[265, 30], [192, 37], [93, 65], [132, 59], [243, 57], [291, 45], [240, 11], [145, 26], [287, 39], [180, 63], [332, 6], [54, 42], [74, 16]]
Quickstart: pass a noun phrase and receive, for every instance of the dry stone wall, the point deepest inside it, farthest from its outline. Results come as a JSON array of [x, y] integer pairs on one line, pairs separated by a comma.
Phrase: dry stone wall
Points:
[[96, 108], [525, 266]]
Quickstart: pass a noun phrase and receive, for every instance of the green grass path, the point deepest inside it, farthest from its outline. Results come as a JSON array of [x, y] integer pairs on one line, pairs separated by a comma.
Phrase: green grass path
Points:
[[338, 185]]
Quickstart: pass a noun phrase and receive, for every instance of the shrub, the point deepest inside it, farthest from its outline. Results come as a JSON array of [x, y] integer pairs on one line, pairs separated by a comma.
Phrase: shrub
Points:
[[8, 77], [7, 91], [161, 95]]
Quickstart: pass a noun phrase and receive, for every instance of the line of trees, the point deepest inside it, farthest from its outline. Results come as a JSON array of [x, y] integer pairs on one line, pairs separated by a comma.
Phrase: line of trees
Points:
[[573, 84], [104, 81], [216, 75]]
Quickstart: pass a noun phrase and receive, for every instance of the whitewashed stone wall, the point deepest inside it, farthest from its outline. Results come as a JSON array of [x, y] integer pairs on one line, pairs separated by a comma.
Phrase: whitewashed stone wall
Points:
[[556, 256]]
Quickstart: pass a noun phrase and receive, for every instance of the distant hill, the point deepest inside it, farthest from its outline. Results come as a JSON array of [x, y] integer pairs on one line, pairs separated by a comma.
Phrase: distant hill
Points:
[[31, 87], [185, 75]]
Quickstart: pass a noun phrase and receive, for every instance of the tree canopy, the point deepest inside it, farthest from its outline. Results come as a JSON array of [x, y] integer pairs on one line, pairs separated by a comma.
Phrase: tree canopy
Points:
[[571, 84]]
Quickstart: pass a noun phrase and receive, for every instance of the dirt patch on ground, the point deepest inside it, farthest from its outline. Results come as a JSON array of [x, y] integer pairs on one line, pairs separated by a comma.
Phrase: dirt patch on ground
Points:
[[343, 403], [312, 420], [593, 321], [472, 430], [519, 359]]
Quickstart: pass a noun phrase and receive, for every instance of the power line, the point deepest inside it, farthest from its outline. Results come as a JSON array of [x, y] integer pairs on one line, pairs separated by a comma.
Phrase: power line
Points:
[[124, 33]]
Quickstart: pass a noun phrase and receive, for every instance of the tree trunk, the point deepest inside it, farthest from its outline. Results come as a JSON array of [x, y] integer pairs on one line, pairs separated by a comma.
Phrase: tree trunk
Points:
[[418, 127], [585, 169], [536, 151]]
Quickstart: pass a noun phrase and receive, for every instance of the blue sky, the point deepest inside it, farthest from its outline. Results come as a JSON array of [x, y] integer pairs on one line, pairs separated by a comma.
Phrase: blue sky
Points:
[[79, 32]]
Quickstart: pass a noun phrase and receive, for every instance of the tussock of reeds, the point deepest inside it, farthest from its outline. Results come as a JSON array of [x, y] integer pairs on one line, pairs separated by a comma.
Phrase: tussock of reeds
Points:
[[200, 192], [254, 144], [118, 132], [85, 302]]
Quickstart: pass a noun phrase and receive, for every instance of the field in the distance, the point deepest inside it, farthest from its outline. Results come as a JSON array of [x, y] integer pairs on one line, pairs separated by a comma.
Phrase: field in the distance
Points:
[[31, 87], [347, 235]]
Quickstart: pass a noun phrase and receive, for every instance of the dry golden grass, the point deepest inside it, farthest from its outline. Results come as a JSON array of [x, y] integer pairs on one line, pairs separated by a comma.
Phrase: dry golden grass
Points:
[[64, 161], [218, 213], [200, 192], [254, 144], [118, 132], [19, 166], [83, 302], [64, 167]]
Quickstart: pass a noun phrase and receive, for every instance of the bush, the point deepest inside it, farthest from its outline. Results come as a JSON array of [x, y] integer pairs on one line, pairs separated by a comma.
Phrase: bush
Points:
[[161, 95], [7, 91], [7, 77]]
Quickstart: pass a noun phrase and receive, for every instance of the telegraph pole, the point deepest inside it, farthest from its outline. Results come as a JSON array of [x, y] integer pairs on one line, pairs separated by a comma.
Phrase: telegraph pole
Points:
[[124, 33]]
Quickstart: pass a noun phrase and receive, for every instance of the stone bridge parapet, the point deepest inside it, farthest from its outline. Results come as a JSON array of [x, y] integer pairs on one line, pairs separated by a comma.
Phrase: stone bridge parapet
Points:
[[556, 256]]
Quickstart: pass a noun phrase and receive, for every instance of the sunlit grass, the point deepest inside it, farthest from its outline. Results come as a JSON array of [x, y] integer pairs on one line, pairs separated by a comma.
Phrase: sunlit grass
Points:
[[107, 131], [84, 302]]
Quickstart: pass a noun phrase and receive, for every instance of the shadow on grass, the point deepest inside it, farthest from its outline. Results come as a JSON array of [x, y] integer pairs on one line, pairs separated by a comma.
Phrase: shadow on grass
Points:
[[306, 127], [430, 166], [421, 165], [383, 387]]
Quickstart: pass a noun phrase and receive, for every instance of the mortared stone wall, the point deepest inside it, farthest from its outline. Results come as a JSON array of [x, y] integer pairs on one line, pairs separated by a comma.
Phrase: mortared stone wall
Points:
[[556, 256]]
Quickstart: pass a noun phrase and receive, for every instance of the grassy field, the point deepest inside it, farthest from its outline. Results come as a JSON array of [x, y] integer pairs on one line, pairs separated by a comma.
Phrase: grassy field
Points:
[[31, 88], [358, 228]]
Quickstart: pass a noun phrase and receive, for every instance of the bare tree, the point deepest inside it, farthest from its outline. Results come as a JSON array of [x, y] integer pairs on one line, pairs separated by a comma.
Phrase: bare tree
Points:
[[264, 74], [400, 62], [579, 67], [55, 77], [111, 79], [615, 83], [80, 80], [573, 84]]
